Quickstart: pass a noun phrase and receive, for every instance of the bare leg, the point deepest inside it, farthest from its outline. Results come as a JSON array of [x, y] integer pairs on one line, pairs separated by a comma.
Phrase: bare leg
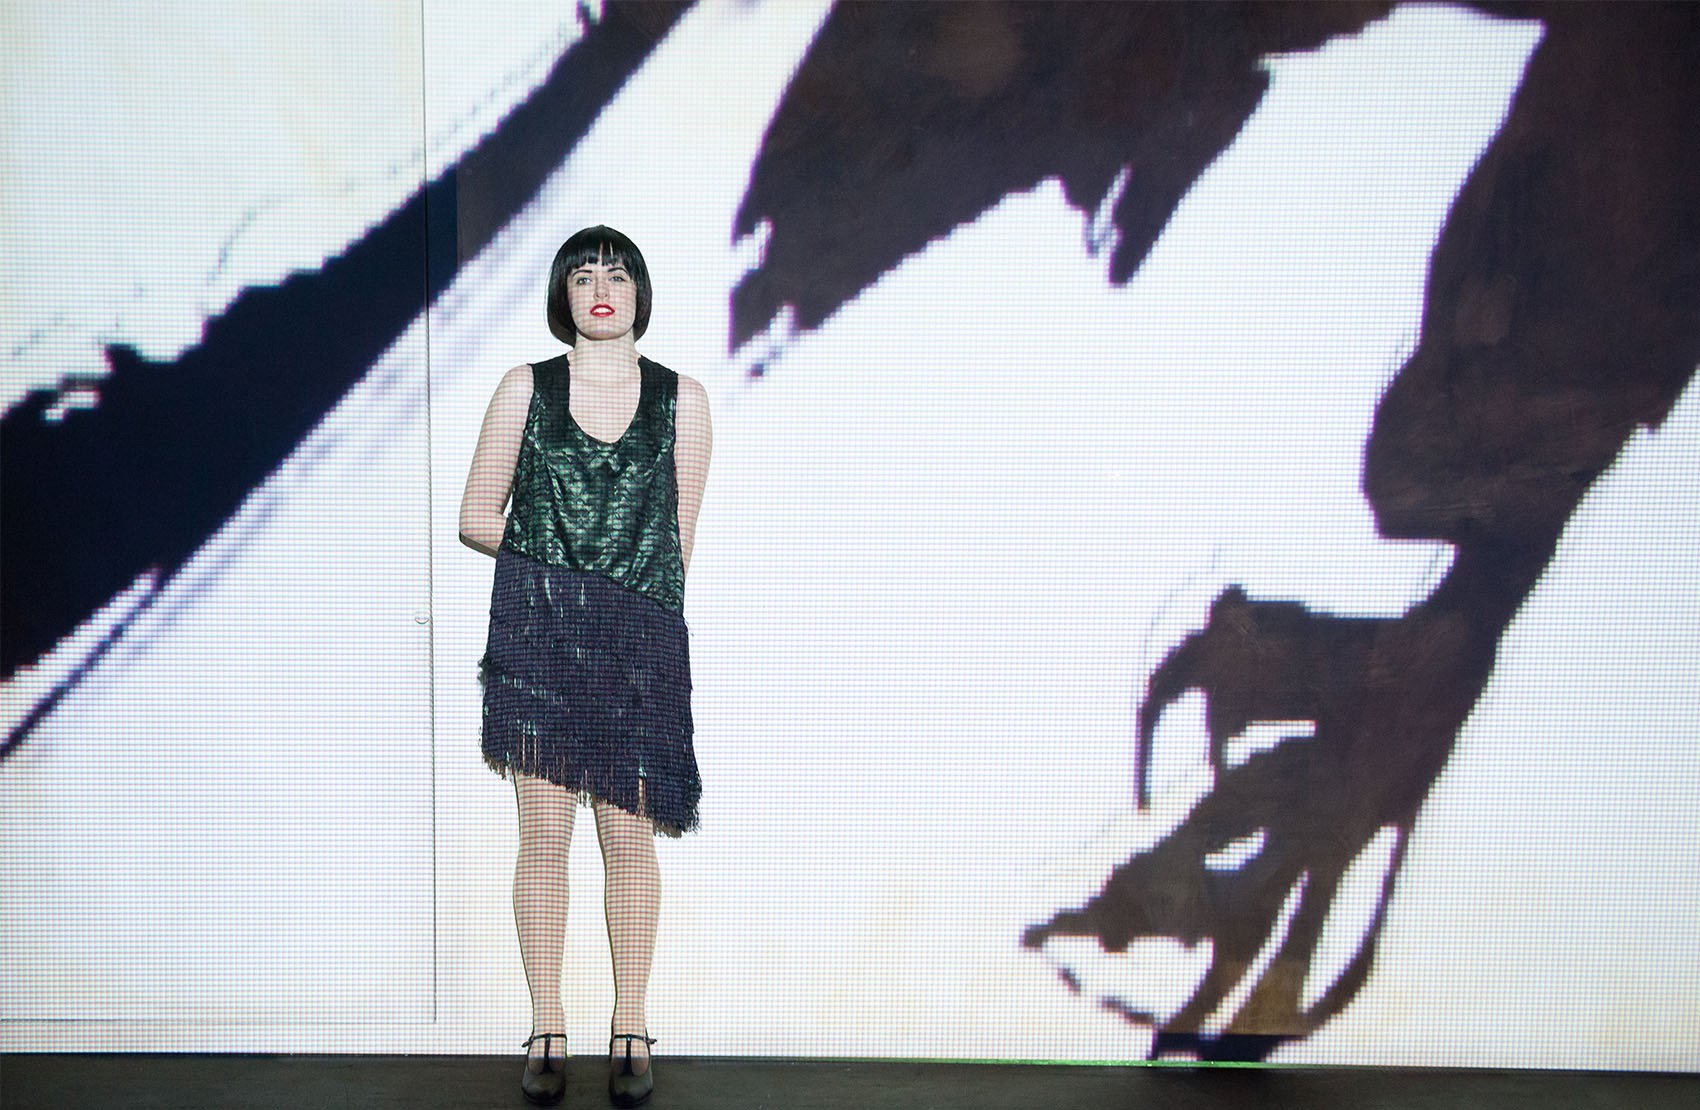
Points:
[[632, 902], [546, 813]]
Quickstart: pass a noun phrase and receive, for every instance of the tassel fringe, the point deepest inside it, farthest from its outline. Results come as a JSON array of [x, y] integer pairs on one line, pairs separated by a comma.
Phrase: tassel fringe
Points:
[[587, 685]]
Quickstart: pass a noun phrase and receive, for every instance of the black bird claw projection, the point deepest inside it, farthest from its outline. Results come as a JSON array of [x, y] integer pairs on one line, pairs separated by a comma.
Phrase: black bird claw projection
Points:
[[1256, 866], [1560, 316]]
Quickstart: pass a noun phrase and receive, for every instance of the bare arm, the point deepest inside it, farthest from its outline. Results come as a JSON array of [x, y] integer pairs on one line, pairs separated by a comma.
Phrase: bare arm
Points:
[[492, 475], [693, 443]]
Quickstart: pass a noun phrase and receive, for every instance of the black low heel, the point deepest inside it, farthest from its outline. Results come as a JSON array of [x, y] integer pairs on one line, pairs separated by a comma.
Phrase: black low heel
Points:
[[547, 1086], [626, 1087]]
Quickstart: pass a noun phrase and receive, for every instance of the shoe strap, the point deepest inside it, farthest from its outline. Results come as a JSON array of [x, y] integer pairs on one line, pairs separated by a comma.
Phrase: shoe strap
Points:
[[545, 1038], [629, 1038]]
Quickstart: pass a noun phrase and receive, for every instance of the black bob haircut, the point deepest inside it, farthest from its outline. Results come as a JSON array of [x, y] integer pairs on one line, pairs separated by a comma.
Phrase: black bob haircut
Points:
[[595, 244]]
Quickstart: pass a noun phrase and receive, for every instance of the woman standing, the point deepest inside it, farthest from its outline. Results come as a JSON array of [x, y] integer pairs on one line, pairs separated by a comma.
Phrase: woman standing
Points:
[[603, 455]]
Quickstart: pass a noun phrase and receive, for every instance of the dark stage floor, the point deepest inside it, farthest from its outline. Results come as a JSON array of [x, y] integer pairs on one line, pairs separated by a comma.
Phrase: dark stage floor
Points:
[[51, 1082]]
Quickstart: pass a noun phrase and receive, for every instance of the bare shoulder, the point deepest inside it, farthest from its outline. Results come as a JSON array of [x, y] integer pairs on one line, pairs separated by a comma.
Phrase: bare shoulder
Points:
[[513, 395], [693, 400], [516, 380]]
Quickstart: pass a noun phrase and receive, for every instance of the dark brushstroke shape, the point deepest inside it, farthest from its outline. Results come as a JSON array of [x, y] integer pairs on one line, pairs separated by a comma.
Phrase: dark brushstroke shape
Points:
[[107, 642], [173, 448], [1562, 313], [501, 175], [906, 121]]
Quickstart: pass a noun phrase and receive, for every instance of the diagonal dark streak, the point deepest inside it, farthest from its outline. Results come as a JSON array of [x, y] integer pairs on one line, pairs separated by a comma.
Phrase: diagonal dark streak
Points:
[[174, 448]]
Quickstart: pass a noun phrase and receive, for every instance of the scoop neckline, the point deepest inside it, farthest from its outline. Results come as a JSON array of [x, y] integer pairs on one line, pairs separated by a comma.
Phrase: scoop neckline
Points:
[[643, 380]]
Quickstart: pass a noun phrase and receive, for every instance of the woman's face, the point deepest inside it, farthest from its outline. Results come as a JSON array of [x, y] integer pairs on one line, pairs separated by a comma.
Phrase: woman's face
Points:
[[603, 299]]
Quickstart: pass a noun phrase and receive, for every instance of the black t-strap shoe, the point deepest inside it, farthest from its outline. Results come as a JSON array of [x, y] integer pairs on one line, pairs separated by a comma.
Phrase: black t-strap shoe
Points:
[[548, 1082], [625, 1086]]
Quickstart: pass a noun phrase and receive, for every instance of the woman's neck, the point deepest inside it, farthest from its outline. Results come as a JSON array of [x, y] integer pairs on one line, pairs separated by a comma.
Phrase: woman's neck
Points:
[[605, 359]]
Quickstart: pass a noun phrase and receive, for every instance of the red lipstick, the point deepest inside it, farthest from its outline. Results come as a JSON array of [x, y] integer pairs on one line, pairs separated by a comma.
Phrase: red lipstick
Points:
[[602, 310]]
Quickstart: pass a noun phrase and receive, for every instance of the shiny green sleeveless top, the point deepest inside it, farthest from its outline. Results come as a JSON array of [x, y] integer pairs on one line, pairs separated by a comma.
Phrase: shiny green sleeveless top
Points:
[[598, 507]]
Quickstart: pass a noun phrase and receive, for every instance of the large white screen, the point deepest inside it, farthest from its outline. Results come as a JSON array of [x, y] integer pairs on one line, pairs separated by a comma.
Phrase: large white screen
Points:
[[952, 530]]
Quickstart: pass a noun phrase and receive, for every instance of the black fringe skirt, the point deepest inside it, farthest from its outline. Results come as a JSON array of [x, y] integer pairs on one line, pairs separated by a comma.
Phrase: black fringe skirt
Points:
[[588, 684]]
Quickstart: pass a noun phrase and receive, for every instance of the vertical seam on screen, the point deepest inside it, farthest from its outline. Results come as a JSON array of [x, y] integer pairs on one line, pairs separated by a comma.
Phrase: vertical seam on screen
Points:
[[430, 512]]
